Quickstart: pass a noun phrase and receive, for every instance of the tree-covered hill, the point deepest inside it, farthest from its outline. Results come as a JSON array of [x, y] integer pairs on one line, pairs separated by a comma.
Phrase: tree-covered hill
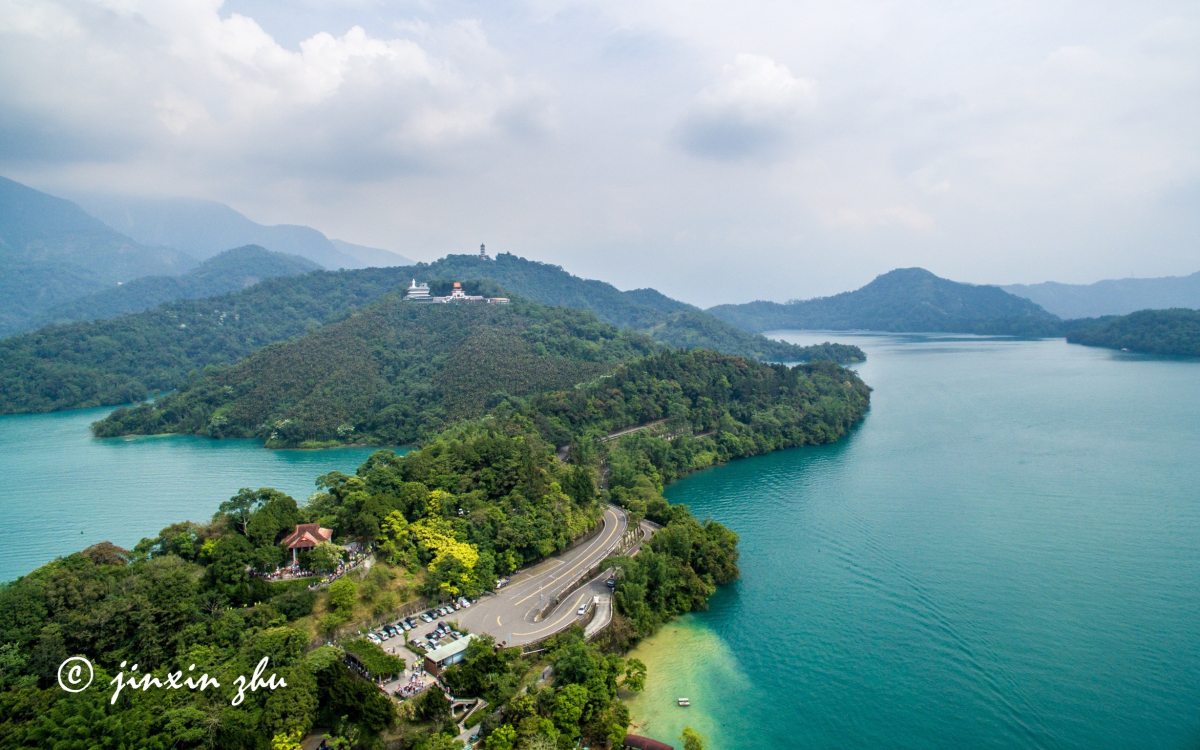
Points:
[[1173, 331], [748, 407], [229, 271], [905, 300], [389, 374], [130, 357]]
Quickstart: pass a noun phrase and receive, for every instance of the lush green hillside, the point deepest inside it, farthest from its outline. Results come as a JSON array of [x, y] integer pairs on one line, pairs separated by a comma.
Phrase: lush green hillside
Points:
[[204, 228], [389, 374], [907, 299], [128, 358], [229, 271], [747, 407], [52, 252], [1112, 296], [1173, 331]]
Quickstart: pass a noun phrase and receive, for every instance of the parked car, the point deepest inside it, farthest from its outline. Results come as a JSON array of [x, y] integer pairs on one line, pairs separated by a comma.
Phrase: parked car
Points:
[[373, 638], [425, 616], [390, 630], [410, 622]]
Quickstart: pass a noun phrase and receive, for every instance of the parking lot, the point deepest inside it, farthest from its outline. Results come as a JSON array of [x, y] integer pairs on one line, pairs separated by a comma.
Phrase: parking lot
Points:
[[429, 629]]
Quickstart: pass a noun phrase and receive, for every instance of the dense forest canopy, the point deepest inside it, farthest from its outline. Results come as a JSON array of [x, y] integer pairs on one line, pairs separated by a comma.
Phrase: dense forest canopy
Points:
[[389, 374], [128, 358], [1175, 331]]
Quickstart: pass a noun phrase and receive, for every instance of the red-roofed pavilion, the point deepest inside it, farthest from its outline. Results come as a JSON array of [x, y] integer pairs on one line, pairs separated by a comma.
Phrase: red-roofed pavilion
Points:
[[306, 536]]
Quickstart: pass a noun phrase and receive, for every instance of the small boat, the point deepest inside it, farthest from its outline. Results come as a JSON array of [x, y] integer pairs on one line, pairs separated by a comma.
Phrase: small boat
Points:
[[683, 701]]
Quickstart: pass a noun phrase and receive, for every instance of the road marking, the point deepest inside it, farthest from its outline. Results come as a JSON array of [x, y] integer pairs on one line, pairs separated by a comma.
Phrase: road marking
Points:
[[586, 558], [498, 620], [569, 614]]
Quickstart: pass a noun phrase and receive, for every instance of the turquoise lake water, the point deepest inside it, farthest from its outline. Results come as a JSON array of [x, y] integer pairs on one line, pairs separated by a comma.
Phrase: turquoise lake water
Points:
[[1006, 554], [65, 490]]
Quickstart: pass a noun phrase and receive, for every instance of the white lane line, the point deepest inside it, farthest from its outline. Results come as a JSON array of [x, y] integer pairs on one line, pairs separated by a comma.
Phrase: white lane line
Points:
[[586, 559], [569, 614]]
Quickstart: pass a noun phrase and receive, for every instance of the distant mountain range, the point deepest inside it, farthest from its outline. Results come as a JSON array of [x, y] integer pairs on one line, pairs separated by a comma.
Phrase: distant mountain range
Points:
[[1113, 296], [229, 271], [57, 259], [204, 228], [52, 251], [906, 300]]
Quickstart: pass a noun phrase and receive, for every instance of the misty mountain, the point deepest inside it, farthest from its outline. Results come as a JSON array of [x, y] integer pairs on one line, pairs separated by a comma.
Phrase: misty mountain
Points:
[[906, 300], [204, 228], [366, 256], [229, 271], [52, 251], [1112, 296], [132, 356]]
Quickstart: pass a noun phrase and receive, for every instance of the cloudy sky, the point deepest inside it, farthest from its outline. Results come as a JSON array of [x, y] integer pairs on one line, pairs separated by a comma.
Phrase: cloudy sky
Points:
[[716, 151]]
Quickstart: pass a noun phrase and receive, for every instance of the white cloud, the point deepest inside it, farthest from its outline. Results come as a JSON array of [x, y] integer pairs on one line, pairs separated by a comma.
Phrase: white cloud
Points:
[[755, 106], [181, 78]]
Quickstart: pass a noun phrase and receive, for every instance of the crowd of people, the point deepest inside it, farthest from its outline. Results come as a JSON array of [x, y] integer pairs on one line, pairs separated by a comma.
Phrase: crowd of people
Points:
[[413, 685]]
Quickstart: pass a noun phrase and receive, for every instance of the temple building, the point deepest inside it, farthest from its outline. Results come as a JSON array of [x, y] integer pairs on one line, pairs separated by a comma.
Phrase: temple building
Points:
[[420, 293], [306, 536], [417, 293]]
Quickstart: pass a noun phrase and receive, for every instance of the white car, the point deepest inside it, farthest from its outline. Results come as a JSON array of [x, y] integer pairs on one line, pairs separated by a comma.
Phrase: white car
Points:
[[582, 610]]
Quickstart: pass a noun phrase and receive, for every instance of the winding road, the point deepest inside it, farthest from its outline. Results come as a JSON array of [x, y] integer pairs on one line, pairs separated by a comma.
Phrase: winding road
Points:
[[509, 615]]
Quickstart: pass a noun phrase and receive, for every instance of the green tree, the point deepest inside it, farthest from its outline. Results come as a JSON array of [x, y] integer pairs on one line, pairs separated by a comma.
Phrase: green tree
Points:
[[325, 557], [503, 737], [635, 676], [342, 594], [692, 739]]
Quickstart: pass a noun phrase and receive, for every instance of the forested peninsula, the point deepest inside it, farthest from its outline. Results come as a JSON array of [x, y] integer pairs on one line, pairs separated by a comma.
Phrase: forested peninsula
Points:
[[478, 500], [1174, 331]]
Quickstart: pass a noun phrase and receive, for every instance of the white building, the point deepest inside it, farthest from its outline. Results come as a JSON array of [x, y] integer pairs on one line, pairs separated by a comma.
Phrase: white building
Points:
[[417, 293]]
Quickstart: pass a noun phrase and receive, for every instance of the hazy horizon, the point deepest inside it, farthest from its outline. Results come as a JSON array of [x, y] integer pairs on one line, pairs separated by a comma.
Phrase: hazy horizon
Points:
[[716, 153]]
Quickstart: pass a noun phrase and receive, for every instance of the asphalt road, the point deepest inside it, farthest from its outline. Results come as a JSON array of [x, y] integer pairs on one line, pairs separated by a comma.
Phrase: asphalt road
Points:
[[508, 614]]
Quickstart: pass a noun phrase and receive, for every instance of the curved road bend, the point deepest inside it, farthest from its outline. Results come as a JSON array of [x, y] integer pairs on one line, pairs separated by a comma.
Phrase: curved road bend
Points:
[[508, 614]]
